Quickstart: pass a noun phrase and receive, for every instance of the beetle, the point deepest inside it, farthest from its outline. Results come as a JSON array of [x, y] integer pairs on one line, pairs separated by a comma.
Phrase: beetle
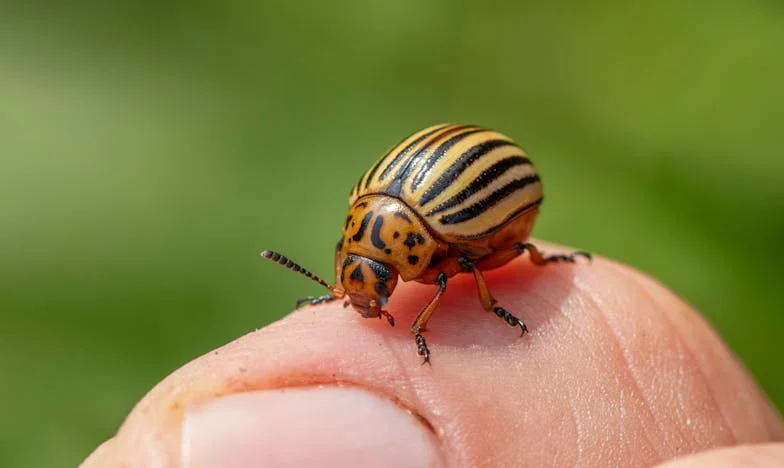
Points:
[[445, 200]]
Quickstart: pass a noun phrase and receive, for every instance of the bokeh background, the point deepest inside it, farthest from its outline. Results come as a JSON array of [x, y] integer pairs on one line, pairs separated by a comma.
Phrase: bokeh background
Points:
[[150, 150]]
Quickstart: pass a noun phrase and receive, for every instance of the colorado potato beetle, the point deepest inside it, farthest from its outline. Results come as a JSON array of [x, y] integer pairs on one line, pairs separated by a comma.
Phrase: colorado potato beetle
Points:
[[445, 200]]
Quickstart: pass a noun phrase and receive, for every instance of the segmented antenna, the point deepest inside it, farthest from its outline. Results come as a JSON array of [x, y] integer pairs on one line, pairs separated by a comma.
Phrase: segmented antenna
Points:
[[291, 265]]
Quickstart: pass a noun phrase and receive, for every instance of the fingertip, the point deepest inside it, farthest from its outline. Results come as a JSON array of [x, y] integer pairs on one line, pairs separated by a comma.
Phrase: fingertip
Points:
[[744, 456]]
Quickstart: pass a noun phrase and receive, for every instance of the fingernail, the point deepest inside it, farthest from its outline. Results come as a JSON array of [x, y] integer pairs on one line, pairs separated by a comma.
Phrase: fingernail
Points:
[[319, 426]]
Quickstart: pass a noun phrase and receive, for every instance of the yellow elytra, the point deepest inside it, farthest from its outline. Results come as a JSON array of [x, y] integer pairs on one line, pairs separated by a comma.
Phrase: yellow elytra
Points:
[[445, 200]]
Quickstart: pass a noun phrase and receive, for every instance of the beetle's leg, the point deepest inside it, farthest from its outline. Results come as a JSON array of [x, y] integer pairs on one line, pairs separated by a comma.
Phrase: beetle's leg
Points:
[[487, 300], [337, 292], [421, 321], [313, 300], [538, 258]]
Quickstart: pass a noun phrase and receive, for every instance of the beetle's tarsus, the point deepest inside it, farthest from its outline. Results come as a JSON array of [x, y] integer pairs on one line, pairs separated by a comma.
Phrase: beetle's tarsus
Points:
[[538, 258], [465, 263], [510, 319], [422, 348], [388, 316]]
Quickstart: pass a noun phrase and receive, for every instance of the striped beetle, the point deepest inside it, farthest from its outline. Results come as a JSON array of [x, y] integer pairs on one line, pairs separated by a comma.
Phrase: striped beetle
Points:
[[445, 200]]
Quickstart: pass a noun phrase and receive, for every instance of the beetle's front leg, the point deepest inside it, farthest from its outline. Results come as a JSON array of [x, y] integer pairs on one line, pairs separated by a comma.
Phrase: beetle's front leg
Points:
[[421, 321], [337, 292], [313, 300]]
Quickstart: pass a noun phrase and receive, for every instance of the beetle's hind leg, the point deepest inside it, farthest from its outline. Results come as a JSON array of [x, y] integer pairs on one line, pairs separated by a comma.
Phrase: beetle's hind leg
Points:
[[538, 258], [487, 300]]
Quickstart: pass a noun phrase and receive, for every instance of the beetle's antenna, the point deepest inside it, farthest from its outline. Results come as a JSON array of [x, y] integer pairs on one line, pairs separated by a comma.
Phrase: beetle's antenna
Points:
[[291, 265]]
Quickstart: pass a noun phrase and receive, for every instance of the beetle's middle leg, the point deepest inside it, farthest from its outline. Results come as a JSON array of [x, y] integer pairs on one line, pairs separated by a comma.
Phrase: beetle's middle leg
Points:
[[487, 300], [421, 321], [335, 292]]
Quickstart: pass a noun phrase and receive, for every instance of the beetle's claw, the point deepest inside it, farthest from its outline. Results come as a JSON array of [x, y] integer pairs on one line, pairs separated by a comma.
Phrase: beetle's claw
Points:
[[510, 319], [388, 316], [422, 348]]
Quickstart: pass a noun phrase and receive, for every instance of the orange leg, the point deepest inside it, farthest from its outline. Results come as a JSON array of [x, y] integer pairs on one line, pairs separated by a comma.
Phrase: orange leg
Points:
[[421, 321], [336, 292], [503, 257], [487, 300]]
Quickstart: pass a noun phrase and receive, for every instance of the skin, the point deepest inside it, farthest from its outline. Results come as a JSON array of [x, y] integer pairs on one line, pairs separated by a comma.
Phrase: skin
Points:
[[615, 370]]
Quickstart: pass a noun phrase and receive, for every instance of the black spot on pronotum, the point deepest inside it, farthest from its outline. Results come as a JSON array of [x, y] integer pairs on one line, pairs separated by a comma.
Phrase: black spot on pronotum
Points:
[[357, 274], [396, 235], [361, 231], [375, 234], [420, 239], [413, 259], [387, 251], [410, 240]]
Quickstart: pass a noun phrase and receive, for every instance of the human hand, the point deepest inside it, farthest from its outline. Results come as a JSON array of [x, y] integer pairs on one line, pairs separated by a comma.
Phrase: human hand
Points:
[[616, 371]]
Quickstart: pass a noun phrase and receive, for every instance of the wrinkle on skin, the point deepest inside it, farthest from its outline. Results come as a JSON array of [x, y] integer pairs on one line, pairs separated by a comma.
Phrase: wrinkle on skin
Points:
[[721, 371], [628, 372], [491, 396]]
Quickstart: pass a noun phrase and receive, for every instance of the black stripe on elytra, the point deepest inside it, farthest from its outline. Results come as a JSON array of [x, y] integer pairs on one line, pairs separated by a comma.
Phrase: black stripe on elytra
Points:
[[498, 226], [404, 151], [355, 190], [459, 166], [396, 186], [482, 205], [487, 177], [372, 171], [361, 231], [375, 233], [348, 220], [437, 154]]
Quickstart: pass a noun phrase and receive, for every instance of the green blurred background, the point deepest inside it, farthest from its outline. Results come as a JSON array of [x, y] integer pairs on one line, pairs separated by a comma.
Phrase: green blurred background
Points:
[[151, 150]]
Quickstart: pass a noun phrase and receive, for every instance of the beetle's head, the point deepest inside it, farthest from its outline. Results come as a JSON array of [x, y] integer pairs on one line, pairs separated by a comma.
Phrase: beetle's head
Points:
[[368, 284]]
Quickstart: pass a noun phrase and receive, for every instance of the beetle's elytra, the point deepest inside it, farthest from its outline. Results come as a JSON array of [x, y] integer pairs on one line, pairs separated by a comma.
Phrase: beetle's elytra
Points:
[[446, 200]]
